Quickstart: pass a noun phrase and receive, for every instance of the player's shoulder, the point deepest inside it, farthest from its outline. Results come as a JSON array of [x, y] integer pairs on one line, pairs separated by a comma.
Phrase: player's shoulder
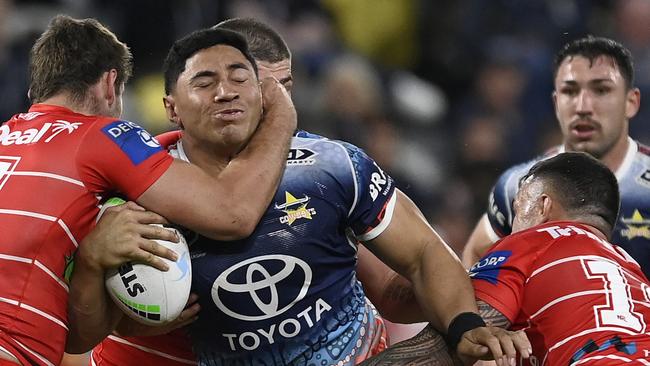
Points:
[[540, 238], [643, 150], [634, 173], [306, 145], [510, 177], [642, 156]]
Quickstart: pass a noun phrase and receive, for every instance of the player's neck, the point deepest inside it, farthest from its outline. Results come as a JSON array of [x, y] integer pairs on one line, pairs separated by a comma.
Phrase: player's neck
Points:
[[212, 161], [613, 159], [65, 101]]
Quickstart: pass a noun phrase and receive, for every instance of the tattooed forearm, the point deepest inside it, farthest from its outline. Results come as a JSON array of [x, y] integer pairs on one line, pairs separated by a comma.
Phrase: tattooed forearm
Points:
[[427, 348], [492, 316]]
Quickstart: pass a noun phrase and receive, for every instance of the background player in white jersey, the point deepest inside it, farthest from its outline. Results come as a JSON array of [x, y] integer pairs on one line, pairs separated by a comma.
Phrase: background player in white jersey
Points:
[[69, 150], [580, 299], [594, 100]]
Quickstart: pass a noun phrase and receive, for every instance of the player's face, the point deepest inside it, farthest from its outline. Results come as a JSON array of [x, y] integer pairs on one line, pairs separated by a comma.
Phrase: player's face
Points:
[[280, 70], [593, 105], [217, 99], [528, 205]]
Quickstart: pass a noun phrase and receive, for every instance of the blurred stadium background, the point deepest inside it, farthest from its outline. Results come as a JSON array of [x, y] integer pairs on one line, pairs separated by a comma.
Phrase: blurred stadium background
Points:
[[444, 94]]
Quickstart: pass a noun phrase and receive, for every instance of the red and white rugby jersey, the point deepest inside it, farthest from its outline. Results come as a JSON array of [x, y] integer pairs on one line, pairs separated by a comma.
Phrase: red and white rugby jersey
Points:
[[54, 167], [579, 298], [173, 349]]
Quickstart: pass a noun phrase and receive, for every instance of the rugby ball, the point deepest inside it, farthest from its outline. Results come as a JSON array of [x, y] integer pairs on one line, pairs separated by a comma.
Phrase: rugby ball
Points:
[[151, 296]]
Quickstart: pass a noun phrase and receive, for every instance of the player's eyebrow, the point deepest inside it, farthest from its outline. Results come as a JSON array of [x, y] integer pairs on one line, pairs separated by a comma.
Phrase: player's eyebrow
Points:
[[210, 73], [203, 73], [238, 65], [592, 81], [286, 80]]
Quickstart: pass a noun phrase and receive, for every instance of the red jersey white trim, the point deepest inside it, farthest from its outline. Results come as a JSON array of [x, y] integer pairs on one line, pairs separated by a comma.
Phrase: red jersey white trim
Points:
[[34, 353], [151, 350], [54, 163], [47, 175]]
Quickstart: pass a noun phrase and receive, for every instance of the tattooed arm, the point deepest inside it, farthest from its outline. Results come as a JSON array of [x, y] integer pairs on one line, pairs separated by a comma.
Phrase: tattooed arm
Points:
[[426, 348], [429, 348], [391, 293], [492, 316]]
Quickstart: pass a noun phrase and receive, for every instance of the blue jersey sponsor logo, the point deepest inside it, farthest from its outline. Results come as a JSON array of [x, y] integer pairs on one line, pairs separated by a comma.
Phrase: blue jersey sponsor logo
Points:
[[136, 143], [488, 268]]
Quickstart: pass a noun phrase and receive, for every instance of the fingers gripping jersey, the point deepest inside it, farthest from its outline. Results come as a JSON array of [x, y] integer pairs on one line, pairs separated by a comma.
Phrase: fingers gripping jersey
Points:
[[579, 298], [632, 230], [54, 166], [288, 294]]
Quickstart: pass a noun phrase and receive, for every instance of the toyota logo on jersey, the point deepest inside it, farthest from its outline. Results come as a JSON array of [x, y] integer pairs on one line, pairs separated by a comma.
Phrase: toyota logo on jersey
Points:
[[255, 281]]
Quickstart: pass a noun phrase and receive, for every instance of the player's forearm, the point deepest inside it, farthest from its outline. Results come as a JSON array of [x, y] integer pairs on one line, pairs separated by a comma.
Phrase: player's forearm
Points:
[[91, 313], [442, 286], [254, 175], [426, 348]]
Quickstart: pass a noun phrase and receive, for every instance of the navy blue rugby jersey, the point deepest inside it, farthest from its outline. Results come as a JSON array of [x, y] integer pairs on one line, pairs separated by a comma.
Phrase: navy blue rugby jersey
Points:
[[288, 295], [632, 231]]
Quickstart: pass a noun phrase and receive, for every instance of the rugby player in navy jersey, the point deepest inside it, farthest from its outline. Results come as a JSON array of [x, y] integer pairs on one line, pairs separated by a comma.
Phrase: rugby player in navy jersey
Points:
[[594, 100], [288, 294]]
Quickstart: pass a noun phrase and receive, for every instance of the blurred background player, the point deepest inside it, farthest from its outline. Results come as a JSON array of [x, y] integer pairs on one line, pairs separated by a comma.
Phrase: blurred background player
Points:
[[319, 295], [594, 100], [580, 299], [72, 148]]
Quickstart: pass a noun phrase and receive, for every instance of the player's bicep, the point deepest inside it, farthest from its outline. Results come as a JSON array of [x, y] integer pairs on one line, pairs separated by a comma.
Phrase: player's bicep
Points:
[[406, 237], [500, 276]]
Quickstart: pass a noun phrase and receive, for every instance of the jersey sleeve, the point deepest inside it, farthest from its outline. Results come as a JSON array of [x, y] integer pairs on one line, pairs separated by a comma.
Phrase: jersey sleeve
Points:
[[121, 156], [374, 196], [499, 277], [168, 138], [499, 211]]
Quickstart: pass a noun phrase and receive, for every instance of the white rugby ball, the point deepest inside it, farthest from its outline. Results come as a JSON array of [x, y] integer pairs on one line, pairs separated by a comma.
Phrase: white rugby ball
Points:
[[151, 296]]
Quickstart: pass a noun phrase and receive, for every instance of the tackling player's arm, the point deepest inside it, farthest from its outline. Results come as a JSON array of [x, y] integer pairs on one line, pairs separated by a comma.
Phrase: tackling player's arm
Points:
[[479, 242], [229, 206], [440, 283], [121, 235], [429, 345], [391, 293]]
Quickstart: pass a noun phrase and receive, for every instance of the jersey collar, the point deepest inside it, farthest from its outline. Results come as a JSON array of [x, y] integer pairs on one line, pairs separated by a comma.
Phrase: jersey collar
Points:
[[181, 151], [632, 148], [51, 108]]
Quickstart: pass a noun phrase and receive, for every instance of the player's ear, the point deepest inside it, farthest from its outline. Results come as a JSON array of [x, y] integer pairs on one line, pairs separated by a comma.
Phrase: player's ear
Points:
[[632, 103], [170, 109], [554, 98], [547, 205], [111, 90]]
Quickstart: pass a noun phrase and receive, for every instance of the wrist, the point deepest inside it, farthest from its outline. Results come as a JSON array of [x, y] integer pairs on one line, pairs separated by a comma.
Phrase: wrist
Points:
[[462, 323], [86, 261]]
